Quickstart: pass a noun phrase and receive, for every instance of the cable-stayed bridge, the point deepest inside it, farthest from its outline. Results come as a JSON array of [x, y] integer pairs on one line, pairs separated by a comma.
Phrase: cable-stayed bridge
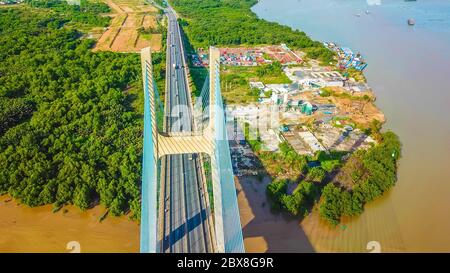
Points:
[[177, 214]]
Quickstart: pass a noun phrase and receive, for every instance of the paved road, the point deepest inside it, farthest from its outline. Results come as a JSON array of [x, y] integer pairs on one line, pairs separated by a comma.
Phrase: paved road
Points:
[[184, 222]]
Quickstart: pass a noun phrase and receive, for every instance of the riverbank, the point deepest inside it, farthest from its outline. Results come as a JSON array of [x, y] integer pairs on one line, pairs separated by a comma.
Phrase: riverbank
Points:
[[266, 231], [411, 84], [25, 229]]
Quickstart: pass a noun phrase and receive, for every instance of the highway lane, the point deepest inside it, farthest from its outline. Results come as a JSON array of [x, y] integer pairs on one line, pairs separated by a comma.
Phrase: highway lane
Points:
[[185, 222]]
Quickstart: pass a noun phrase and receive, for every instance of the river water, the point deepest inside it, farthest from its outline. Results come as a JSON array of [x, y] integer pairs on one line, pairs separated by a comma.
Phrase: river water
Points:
[[25, 229], [409, 70]]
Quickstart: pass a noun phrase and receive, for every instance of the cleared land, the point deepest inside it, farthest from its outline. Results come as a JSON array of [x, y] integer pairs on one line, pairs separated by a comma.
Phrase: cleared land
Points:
[[124, 35], [358, 108]]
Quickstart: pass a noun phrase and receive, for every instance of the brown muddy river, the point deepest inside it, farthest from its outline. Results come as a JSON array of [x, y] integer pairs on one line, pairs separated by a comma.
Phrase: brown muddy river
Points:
[[24, 229]]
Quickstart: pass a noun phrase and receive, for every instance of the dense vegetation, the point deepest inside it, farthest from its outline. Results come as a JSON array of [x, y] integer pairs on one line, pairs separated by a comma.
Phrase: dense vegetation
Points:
[[373, 173], [272, 69], [298, 202], [231, 22], [290, 170], [71, 122], [85, 13]]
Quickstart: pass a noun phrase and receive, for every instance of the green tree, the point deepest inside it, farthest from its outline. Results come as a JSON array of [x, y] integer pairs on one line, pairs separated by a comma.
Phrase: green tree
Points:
[[82, 196], [275, 190], [331, 205], [316, 174]]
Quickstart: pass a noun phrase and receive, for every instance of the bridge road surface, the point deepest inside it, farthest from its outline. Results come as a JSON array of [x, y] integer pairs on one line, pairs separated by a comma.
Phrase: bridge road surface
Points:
[[185, 225]]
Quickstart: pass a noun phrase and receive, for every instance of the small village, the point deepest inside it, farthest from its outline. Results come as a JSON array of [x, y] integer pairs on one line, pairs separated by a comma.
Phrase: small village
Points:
[[322, 108]]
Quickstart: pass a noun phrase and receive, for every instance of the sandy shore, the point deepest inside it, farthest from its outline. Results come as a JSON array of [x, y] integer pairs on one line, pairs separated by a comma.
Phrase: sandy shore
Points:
[[24, 229]]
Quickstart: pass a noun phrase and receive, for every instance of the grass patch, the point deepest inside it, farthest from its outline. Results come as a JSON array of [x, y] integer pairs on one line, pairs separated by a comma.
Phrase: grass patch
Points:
[[235, 82]]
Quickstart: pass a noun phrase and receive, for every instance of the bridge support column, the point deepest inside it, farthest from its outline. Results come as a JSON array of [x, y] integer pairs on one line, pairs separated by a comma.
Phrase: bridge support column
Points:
[[149, 161], [226, 212]]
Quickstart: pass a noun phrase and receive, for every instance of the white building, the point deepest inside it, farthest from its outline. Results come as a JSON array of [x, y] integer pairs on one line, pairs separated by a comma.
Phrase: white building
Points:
[[257, 85], [312, 141]]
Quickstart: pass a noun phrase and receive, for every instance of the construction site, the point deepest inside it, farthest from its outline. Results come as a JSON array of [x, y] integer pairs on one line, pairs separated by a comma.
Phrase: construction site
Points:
[[320, 109], [250, 56], [134, 25]]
